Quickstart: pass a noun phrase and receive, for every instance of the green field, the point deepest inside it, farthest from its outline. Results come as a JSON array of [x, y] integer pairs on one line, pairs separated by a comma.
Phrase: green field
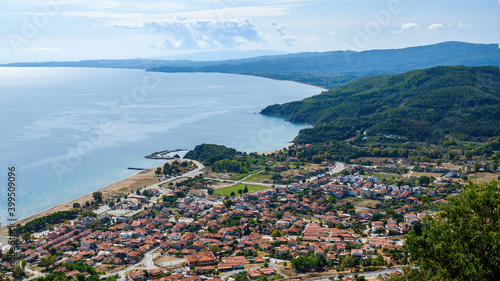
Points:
[[390, 177], [259, 178], [227, 191]]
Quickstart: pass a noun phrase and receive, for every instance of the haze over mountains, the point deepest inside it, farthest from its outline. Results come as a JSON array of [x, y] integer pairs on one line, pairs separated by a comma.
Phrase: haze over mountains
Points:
[[327, 69]]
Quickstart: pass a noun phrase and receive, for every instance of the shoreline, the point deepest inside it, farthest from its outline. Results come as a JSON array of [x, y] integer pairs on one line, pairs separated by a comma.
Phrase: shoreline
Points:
[[129, 184], [135, 181], [276, 150], [275, 79]]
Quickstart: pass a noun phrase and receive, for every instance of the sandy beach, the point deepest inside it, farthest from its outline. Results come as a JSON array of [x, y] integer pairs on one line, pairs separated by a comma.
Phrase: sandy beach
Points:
[[277, 150], [130, 184]]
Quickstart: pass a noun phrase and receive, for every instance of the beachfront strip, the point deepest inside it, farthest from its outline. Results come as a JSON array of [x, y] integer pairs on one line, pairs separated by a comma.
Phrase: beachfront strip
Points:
[[206, 237]]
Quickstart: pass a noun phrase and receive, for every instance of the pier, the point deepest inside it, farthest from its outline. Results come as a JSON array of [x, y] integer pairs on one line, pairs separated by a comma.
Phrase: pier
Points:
[[163, 154]]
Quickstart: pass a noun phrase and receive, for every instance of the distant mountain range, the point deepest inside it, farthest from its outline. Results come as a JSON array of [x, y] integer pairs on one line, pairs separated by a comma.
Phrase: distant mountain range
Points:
[[326, 69], [221, 55], [330, 69], [422, 105]]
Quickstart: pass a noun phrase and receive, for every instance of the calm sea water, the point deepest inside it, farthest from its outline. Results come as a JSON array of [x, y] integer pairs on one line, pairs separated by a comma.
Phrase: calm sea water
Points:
[[71, 131]]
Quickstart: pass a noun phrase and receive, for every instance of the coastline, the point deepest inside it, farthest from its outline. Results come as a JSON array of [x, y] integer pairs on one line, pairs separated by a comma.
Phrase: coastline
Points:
[[129, 184], [277, 150], [125, 185], [275, 79]]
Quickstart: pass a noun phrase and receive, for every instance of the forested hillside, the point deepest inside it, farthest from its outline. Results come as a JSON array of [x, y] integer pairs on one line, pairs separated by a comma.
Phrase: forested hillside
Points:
[[421, 105], [325, 69], [331, 69], [208, 154]]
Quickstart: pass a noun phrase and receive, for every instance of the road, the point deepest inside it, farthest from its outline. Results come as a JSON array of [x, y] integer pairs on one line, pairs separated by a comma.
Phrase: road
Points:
[[339, 167], [273, 263], [146, 263], [373, 274], [246, 182], [190, 174], [36, 274]]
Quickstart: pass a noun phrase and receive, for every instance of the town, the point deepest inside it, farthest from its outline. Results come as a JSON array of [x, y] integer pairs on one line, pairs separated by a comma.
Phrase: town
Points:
[[322, 220]]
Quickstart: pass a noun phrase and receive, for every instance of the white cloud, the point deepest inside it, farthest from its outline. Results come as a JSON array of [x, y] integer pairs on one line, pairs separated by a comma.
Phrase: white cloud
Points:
[[333, 32], [409, 25], [436, 26], [463, 25], [287, 39], [279, 28], [185, 34], [398, 31]]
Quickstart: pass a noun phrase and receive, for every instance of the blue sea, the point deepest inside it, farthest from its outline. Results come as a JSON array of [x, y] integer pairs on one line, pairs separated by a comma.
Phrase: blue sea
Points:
[[71, 131]]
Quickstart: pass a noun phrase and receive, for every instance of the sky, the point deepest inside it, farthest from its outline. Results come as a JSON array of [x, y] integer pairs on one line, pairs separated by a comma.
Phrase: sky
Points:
[[70, 30]]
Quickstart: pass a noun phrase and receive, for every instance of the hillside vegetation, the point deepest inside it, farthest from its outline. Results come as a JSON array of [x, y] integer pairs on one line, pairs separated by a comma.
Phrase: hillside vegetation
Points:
[[208, 154], [325, 69], [331, 69], [421, 105]]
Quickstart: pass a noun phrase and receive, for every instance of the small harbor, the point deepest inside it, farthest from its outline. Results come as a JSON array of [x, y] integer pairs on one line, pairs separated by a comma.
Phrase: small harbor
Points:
[[166, 154]]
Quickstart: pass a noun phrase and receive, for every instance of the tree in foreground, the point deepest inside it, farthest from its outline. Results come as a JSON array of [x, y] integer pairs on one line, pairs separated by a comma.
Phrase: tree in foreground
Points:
[[462, 240], [97, 196]]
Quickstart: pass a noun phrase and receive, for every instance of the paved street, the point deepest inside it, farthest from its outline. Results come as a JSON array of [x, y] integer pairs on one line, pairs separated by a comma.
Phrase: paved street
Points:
[[373, 274]]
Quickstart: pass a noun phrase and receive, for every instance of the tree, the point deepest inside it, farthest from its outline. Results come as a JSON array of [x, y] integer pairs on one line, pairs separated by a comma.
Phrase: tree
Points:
[[17, 272], [276, 177], [278, 215], [242, 276], [26, 237], [89, 214], [80, 277], [240, 191], [76, 205], [350, 261], [97, 196], [245, 190], [276, 233], [233, 194], [228, 204], [210, 191], [424, 180], [95, 224], [47, 260], [461, 242], [158, 171], [177, 217], [360, 278], [477, 166], [215, 250]]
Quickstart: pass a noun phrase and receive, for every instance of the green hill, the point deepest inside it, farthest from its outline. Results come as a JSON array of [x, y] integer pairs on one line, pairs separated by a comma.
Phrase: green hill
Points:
[[421, 105], [330, 69], [211, 153], [325, 69]]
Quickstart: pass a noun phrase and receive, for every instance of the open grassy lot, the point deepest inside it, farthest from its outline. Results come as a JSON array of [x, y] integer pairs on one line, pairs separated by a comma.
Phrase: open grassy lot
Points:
[[484, 177], [380, 176], [227, 191], [259, 178]]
